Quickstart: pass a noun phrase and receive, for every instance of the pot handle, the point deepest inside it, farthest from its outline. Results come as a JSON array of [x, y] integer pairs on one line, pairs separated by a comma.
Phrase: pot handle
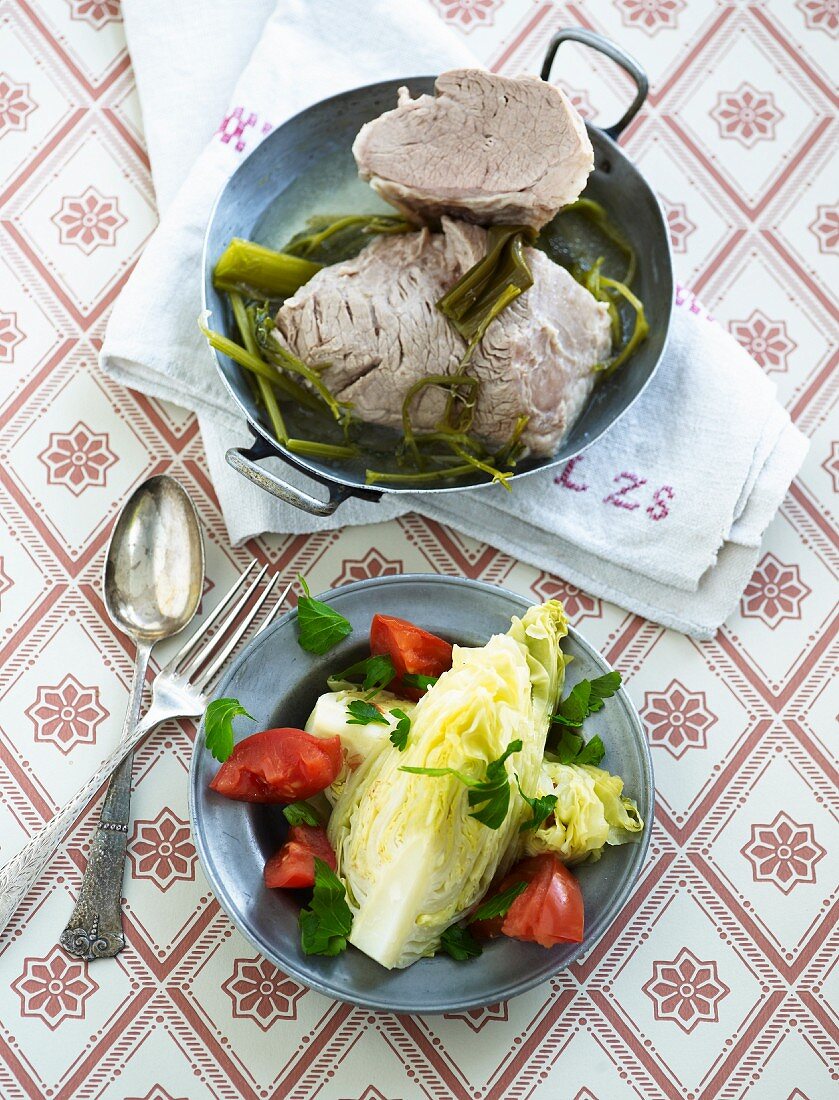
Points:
[[611, 50], [244, 463]]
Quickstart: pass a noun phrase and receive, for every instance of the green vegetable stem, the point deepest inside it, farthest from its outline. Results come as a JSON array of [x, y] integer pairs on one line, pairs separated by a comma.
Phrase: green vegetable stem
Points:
[[261, 272]]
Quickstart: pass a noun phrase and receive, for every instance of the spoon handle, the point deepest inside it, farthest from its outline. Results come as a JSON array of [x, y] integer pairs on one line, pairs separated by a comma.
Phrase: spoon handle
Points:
[[19, 875], [94, 930]]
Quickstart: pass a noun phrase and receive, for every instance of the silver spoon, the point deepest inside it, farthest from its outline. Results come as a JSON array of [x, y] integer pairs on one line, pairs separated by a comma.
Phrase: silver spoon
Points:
[[154, 576]]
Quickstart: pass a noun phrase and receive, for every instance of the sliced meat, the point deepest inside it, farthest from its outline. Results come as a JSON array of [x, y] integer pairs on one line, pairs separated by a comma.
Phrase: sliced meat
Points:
[[485, 148], [375, 321]]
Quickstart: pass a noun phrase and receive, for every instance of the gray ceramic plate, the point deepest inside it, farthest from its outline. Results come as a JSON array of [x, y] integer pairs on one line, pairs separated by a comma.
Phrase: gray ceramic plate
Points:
[[278, 683]]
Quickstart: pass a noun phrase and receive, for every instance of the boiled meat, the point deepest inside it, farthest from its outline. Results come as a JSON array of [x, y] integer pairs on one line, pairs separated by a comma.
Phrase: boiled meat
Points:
[[374, 320], [485, 148]]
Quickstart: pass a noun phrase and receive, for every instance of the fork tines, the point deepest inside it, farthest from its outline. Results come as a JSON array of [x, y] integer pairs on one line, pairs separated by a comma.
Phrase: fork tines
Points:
[[213, 651]]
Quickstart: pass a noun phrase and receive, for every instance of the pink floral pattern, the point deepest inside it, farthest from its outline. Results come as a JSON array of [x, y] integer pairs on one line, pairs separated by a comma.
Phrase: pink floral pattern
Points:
[[373, 564], [678, 223], [54, 988], [830, 467], [466, 15], [88, 220], [578, 604], [262, 993], [747, 115], [650, 16], [16, 105], [476, 1018], [774, 593], [95, 12], [821, 15], [677, 719], [686, 991], [67, 714], [162, 850], [767, 341], [783, 853], [78, 459], [826, 228], [10, 337]]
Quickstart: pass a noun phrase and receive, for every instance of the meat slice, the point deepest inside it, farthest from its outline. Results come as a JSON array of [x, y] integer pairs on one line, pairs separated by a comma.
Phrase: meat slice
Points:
[[485, 148], [374, 320]]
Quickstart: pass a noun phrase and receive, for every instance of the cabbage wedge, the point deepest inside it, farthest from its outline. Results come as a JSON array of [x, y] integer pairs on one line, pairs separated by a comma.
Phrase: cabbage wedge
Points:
[[412, 858], [591, 811], [331, 717]]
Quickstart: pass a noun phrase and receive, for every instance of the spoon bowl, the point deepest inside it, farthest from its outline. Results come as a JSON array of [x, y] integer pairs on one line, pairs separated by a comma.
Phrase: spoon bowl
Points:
[[154, 571]]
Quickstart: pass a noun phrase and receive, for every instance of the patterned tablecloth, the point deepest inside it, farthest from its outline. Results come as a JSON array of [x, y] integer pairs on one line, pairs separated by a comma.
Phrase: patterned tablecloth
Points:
[[716, 979]]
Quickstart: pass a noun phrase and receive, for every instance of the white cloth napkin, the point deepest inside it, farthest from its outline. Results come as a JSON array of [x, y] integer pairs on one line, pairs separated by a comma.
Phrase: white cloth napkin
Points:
[[663, 516]]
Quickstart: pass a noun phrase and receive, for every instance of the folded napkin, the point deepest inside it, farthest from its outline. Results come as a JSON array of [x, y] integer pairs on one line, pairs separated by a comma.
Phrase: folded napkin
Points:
[[663, 516]]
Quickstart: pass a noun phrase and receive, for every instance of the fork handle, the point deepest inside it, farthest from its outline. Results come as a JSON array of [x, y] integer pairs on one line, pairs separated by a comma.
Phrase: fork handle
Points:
[[94, 930], [21, 873]]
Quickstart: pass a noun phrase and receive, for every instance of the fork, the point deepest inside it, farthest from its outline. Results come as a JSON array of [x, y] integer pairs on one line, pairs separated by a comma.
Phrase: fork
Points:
[[180, 690]]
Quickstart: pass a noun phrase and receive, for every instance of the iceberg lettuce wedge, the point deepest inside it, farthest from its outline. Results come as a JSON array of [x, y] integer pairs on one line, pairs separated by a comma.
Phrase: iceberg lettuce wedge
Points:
[[591, 811], [332, 717], [412, 857]]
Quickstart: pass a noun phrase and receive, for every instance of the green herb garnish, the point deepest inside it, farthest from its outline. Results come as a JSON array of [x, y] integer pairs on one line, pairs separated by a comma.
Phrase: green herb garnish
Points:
[[586, 698], [459, 942], [375, 673], [326, 923], [363, 713], [542, 806], [320, 627], [399, 736], [491, 795], [572, 748], [500, 904], [300, 813], [218, 726], [418, 681]]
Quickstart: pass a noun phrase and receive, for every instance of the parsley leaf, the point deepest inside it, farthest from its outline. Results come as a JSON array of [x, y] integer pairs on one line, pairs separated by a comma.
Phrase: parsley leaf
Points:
[[542, 806], [500, 904], [326, 923], [300, 813], [320, 627], [490, 795], [363, 713], [218, 726], [375, 673], [459, 942], [418, 681], [572, 749], [586, 698], [399, 736]]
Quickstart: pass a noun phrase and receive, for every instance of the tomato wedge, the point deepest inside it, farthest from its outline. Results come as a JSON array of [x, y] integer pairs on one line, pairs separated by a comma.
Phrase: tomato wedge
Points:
[[281, 765], [413, 650], [294, 865], [548, 912]]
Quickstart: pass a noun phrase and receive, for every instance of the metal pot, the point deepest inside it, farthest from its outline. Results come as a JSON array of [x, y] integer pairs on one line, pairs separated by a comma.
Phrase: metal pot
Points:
[[326, 131]]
